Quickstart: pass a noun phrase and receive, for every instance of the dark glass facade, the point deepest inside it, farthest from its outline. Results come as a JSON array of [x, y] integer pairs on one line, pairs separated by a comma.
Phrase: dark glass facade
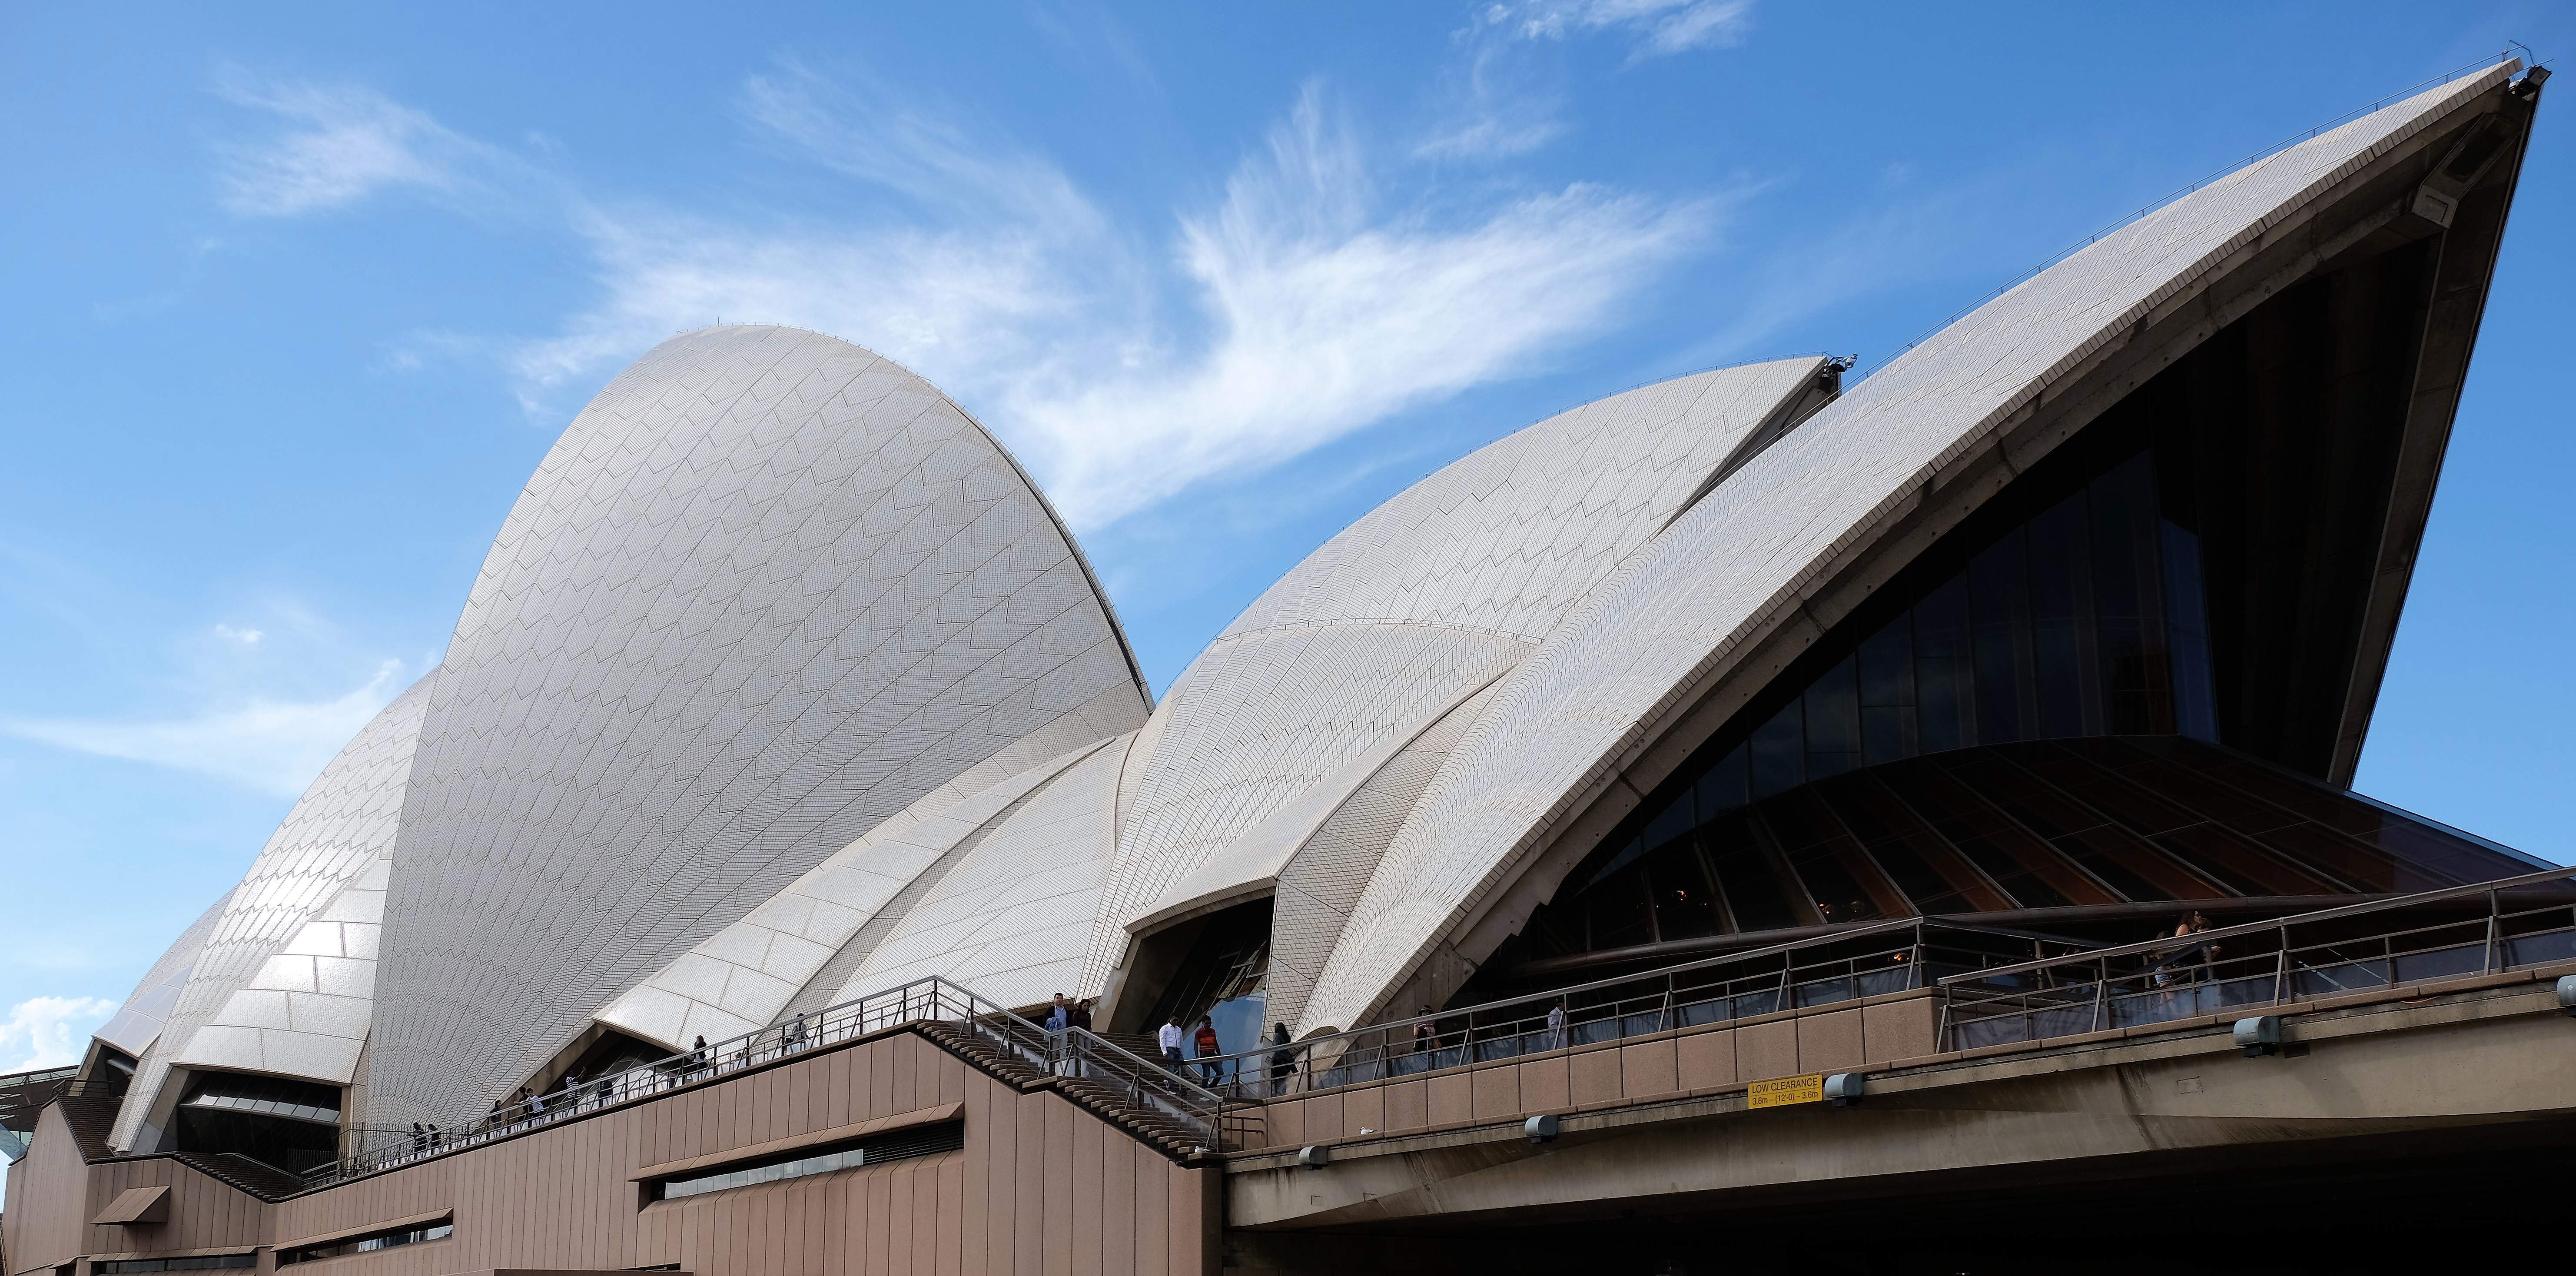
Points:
[[2072, 608], [2079, 822]]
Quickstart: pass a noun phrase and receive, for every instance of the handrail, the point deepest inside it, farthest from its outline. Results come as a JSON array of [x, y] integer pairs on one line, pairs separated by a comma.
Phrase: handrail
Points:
[[920, 1000], [2183, 977], [1255, 1068], [2277, 923], [1086, 1055]]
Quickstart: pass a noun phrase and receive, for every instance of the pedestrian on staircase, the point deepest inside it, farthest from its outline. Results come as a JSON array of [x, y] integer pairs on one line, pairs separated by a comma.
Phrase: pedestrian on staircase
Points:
[[1170, 1038], [1208, 1048]]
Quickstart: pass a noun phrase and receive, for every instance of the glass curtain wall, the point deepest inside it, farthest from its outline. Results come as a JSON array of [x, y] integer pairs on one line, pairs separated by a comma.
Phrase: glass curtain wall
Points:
[[2071, 606]]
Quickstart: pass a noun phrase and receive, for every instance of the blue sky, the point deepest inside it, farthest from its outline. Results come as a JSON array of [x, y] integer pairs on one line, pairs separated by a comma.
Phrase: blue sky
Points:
[[296, 296]]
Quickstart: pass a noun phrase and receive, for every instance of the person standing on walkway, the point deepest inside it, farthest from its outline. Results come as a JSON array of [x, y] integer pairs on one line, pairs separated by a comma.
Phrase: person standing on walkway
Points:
[[1058, 1017], [1208, 1048], [1556, 1025], [1283, 1060], [1080, 1015], [1170, 1038]]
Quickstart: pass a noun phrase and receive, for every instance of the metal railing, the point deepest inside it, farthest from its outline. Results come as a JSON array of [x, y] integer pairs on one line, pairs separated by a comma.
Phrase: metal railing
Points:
[[2354, 948], [1145, 1087], [1865, 961], [994, 1027]]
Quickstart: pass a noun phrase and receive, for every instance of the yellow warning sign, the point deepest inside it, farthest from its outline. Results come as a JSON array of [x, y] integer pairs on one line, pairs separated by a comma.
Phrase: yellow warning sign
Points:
[[1780, 1092]]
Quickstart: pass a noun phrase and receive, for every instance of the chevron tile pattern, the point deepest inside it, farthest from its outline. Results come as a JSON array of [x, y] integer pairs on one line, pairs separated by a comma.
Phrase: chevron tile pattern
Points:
[[1422, 600], [767, 591], [1674, 615], [343, 825]]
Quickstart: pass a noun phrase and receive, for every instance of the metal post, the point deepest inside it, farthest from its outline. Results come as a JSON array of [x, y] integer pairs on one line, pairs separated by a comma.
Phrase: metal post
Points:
[[2491, 965], [2101, 991]]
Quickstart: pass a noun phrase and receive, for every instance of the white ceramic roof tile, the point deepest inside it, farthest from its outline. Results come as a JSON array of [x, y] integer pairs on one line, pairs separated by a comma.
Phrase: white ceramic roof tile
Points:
[[1389, 623], [1676, 611], [139, 1018], [343, 825], [1012, 919], [767, 591], [744, 976], [1318, 885]]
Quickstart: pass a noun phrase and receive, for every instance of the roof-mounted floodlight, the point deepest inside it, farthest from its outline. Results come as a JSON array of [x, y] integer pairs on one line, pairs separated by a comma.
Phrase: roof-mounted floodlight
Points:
[[2259, 1036], [2567, 994], [1540, 1128], [1843, 1089], [1315, 1156]]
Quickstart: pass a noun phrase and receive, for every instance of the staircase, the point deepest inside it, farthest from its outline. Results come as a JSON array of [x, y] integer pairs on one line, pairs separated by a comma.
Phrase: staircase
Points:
[[1111, 1102]]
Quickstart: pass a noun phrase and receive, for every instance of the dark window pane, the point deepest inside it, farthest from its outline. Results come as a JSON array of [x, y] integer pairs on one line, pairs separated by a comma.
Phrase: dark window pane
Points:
[[1833, 711], [1780, 752], [1838, 897], [2186, 617], [1675, 820], [1887, 665], [1627, 854], [1685, 907], [2125, 598], [2002, 639], [1887, 734], [1921, 883], [1723, 788], [1751, 890], [1940, 657], [1620, 912], [2061, 635]]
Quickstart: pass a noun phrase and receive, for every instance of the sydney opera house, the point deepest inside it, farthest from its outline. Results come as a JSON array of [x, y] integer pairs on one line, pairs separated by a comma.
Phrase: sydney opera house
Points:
[[1704, 810]]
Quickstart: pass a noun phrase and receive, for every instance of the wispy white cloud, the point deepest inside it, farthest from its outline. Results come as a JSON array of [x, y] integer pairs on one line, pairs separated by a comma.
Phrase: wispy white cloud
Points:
[[49, 1032], [271, 744], [1499, 98], [1329, 313], [1660, 26], [1125, 362], [1309, 303], [341, 144]]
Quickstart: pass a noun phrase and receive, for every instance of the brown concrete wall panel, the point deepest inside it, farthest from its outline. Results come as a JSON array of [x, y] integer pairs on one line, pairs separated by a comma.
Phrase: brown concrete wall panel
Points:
[[1324, 1116], [1496, 1092], [1154, 1222], [1288, 1123], [1830, 1042], [1766, 1050], [1452, 1101], [1408, 1105], [1056, 1227], [1545, 1085], [1647, 1069], [1706, 1060], [1364, 1109], [1594, 1077], [1042, 1186], [1907, 1029]]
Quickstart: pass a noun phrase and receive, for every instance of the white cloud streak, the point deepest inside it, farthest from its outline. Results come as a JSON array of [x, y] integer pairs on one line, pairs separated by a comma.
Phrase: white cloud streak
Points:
[[1311, 308], [1302, 305], [1661, 27], [342, 145], [274, 745], [49, 1032]]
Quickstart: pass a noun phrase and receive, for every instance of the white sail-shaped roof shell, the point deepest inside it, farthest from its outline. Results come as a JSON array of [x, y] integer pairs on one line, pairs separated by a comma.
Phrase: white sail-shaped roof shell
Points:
[[1391, 623], [1684, 608], [767, 591], [343, 826]]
